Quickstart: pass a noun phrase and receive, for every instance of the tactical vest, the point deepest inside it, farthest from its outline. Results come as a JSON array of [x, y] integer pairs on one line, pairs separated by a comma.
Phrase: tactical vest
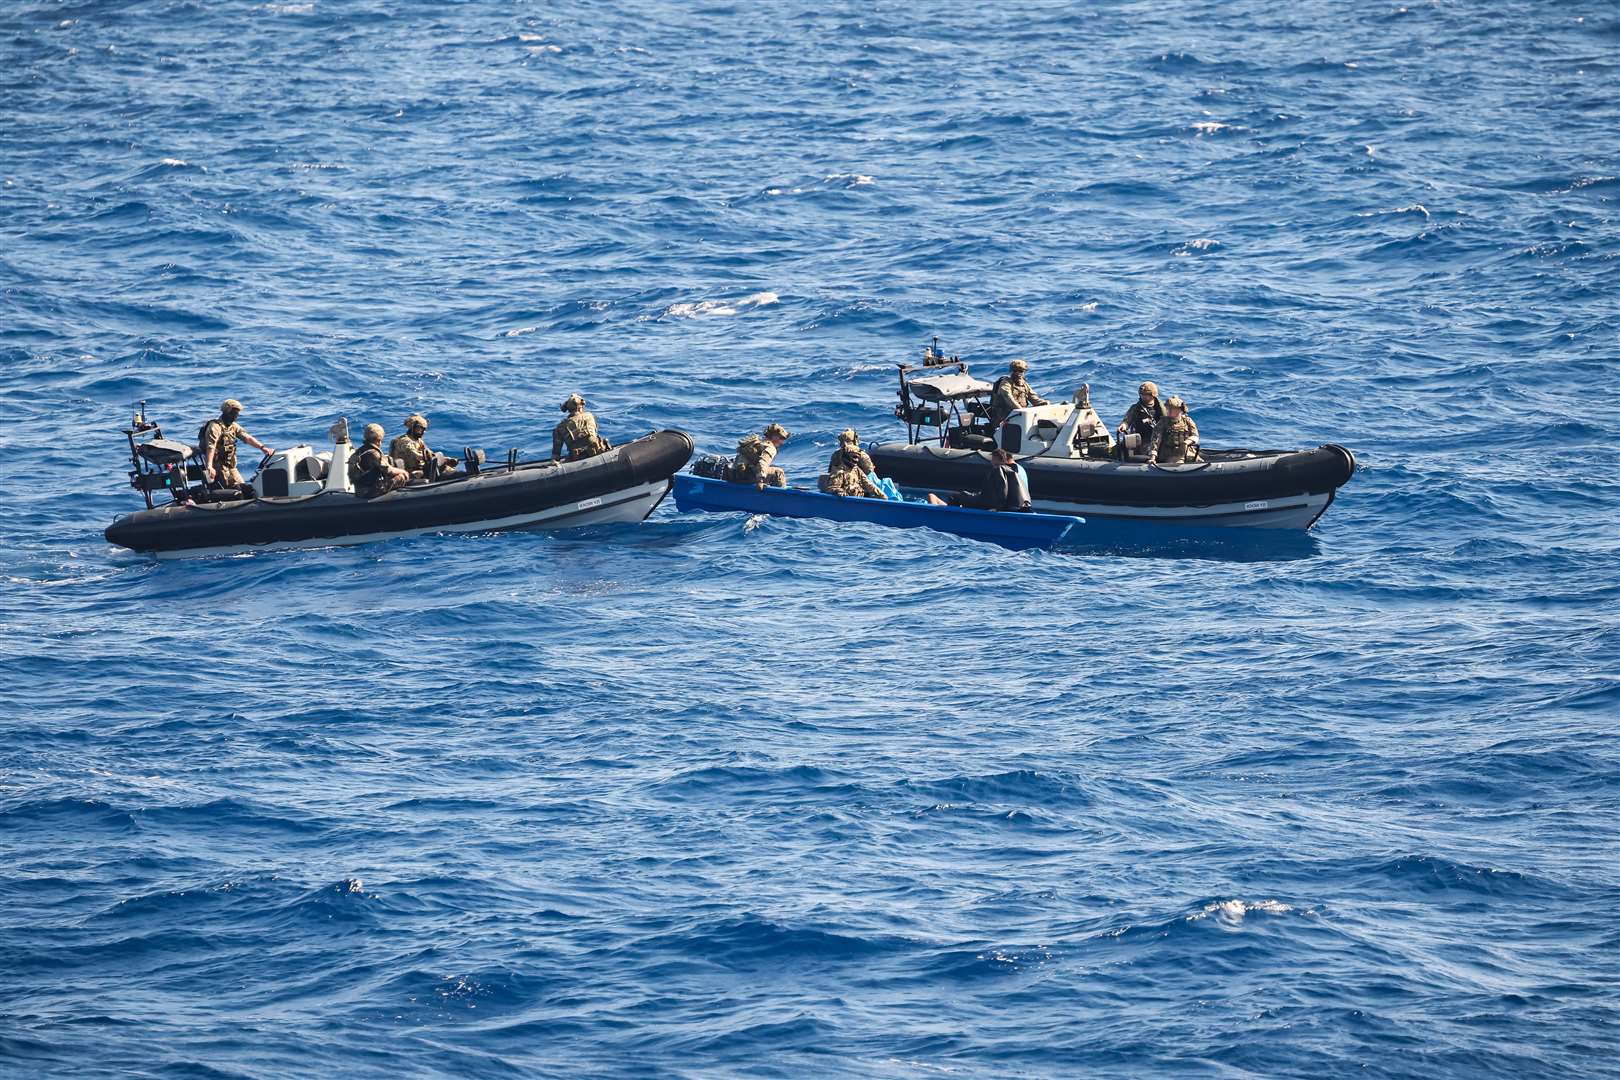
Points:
[[224, 455], [1173, 442]]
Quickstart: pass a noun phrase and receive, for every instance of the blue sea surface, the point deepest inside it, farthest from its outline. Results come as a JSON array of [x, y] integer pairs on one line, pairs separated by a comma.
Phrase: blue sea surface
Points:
[[728, 796]]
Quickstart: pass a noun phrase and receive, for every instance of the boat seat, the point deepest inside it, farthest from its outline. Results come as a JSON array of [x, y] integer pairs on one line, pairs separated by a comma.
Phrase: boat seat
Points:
[[165, 453]]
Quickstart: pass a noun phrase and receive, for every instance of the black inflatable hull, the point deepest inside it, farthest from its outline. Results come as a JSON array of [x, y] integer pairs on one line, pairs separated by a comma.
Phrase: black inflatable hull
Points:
[[1271, 489], [624, 484]]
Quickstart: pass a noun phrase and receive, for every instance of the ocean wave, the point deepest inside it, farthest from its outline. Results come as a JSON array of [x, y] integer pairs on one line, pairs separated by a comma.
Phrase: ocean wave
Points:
[[749, 940], [701, 309], [732, 794]]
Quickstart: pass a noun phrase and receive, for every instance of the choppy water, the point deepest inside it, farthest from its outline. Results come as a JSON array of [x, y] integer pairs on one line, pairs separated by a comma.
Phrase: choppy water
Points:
[[710, 796]]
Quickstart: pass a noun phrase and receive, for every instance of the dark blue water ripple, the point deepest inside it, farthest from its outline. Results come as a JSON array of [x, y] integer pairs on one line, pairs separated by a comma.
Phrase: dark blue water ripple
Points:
[[715, 796]]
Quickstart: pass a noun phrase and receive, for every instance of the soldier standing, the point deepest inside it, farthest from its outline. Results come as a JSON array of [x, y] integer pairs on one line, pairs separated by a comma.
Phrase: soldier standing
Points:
[[1175, 437], [1012, 391], [578, 432], [216, 443], [752, 465]]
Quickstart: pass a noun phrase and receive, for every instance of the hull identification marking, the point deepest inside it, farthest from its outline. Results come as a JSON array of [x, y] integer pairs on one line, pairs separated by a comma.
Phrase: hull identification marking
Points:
[[1260, 505], [588, 504]]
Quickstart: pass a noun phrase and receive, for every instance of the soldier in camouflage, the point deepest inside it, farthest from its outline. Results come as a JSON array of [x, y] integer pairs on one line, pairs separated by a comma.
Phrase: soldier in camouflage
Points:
[[577, 431], [847, 439], [410, 451], [752, 465], [1012, 391], [216, 444], [847, 472], [1175, 436]]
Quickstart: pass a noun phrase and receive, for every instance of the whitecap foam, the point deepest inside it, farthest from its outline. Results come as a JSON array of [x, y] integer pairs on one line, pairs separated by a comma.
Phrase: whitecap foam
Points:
[[1233, 911], [1089, 308], [709, 308], [520, 331], [1203, 243], [848, 179], [1209, 127]]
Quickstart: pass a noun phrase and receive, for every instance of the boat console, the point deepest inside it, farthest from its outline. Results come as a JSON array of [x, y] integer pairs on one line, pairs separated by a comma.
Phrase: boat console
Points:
[[941, 402], [293, 473]]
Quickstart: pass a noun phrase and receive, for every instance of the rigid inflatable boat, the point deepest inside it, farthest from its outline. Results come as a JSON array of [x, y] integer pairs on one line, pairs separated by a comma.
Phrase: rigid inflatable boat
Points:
[[1075, 467], [300, 498], [1007, 528]]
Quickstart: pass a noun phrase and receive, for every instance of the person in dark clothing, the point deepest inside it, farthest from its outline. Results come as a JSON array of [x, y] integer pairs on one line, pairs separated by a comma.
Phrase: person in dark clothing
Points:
[[1144, 412], [1005, 488], [370, 471]]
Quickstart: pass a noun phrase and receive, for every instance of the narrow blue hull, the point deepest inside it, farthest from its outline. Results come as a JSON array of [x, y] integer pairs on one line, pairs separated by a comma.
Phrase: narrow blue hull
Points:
[[694, 493]]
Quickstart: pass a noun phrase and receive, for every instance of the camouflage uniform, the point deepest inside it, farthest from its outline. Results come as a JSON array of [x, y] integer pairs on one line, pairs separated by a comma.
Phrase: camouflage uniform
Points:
[[752, 465], [1174, 441], [846, 474], [849, 441], [411, 454], [578, 432], [217, 444], [1012, 392]]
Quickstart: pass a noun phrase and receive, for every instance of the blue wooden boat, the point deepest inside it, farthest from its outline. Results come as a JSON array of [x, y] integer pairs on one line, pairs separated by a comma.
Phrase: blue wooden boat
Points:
[[1014, 530]]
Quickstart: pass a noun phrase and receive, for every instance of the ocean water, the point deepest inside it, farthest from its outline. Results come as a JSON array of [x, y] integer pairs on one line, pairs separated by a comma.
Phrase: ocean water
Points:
[[715, 796]]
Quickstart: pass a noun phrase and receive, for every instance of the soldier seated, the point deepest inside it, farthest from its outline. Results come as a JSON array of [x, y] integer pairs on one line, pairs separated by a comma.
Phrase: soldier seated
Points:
[[1006, 487], [577, 431], [410, 452], [1175, 437], [848, 471], [1137, 426], [752, 465], [370, 471]]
